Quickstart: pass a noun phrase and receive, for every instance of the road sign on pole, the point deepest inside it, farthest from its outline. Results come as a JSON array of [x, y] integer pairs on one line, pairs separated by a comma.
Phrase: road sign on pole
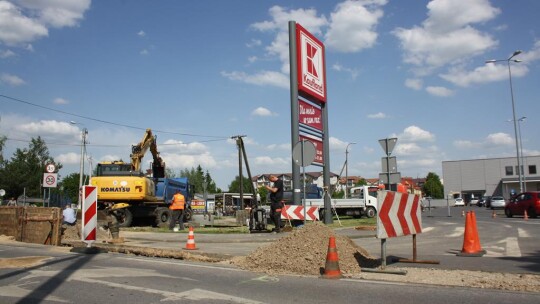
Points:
[[388, 145], [50, 180]]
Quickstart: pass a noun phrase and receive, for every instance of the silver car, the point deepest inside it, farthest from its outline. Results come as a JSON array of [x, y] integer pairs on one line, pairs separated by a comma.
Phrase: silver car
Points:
[[497, 202]]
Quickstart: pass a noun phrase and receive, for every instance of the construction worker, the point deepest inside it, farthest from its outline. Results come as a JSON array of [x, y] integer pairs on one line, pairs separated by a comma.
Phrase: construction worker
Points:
[[276, 197], [177, 207], [114, 216]]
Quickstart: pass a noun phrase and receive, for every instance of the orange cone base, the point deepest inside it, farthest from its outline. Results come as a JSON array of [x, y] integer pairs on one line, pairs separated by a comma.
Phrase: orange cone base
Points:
[[332, 275], [472, 254]]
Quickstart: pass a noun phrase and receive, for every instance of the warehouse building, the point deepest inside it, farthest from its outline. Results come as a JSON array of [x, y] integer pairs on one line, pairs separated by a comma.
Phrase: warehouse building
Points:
[[494, 176]]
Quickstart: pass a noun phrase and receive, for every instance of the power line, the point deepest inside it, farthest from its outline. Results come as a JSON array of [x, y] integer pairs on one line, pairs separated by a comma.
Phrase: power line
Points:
[[112, 146], [108, 122]]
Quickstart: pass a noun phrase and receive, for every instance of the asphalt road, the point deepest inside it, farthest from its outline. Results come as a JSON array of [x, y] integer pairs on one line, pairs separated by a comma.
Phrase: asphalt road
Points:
[[512, 244], [115, 278]]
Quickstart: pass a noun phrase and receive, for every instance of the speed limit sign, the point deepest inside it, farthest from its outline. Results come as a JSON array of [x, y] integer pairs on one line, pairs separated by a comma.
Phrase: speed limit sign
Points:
[[50, 180], [50, 168]]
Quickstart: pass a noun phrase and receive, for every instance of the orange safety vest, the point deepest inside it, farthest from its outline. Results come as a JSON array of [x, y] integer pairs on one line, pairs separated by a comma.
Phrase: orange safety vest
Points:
[[178, 202]]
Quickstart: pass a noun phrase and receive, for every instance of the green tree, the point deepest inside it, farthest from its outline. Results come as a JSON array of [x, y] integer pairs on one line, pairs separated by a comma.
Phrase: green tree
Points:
[[338, 194], [361, 182], [170, 173], [234, 187], [2, 143], [24, 171], [70, 186], [263, 194], [197, 177], [433, 186]]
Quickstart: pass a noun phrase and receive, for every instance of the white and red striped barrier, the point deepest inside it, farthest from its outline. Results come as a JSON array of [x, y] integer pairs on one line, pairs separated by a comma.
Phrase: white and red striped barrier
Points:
[[399, 214], [295, 212], [89, 215]]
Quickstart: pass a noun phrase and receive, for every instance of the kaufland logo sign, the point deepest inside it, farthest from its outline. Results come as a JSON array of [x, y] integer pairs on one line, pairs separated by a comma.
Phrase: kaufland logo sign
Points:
[[311, 66]]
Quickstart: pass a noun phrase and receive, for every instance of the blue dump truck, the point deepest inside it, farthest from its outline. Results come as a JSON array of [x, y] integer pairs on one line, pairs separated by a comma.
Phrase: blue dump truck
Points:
[[165, 190]]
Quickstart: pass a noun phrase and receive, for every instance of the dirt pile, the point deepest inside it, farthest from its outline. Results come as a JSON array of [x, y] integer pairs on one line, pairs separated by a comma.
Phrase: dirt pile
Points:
[[73, 233], [304, 252]]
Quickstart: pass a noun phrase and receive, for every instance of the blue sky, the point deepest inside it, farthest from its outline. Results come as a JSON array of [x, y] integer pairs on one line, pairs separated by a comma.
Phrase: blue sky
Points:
[[199, 72]]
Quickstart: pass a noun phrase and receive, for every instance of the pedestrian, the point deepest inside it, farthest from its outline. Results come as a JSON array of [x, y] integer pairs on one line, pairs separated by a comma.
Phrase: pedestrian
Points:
[[12, 202], [276, 197], [70, 218], [177, 207]]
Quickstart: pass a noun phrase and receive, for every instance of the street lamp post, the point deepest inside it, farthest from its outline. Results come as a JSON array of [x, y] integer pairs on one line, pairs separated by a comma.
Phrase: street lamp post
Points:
[[520, 175], [84, 132], [347, 168]]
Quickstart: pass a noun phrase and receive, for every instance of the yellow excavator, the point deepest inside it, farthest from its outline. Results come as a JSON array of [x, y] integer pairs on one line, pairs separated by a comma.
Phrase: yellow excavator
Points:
[[118, 182]]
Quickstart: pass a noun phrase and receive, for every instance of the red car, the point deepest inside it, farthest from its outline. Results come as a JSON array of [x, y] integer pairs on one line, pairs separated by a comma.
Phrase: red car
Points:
[[529, 201]]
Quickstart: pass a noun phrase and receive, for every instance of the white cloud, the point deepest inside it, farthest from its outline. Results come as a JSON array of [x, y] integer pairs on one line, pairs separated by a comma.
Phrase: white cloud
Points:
[[254, 43], [447, 36], [70, 158], [7, 54], [262, 78], [352, 25], [337, 144], [439, 91], [144, 52], [491, 72], [415, 84], [48, 127], [491, 141], [415, 134], [285, 147], [279, 24], [141, 33], [176, 146], [499, 139], [338, 67], [60, 101], [379, 115], [270, 161], [28, 20], [183, 161], [11, 80], [407, 149], [260, 111]]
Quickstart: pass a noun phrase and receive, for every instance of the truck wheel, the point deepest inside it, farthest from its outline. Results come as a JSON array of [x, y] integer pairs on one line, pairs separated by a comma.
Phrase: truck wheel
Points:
[[188, 215], [371, 212], [508, 213], [126, 218], [163, 217]]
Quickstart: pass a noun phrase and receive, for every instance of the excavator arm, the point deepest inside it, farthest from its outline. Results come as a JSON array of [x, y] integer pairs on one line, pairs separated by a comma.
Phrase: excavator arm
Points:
[[138, 151]]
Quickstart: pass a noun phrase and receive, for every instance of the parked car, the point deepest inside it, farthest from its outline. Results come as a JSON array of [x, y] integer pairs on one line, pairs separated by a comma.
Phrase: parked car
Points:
[[497, 202], [459, 202], [473, 201], [529, 201], [483, 201]]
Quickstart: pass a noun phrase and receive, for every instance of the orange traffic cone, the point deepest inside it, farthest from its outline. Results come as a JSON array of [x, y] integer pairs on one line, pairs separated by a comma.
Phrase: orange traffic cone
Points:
[[471, 240], [331, 268], [190, 245], [525, 215]]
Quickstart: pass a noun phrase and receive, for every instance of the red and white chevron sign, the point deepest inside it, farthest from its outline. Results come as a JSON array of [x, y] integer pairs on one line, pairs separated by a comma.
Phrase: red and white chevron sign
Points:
[[294, 212], [399, 214], [89, 215]]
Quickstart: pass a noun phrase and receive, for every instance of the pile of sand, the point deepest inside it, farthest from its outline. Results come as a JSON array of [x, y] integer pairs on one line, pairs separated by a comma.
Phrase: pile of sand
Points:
[[304, 252]]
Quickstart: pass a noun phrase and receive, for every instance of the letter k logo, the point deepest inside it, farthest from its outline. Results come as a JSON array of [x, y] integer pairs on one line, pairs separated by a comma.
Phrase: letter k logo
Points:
[[310, 52]]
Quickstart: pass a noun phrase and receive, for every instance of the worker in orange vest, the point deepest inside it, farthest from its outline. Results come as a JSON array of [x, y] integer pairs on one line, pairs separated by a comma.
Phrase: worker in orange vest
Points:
[[177, 207]]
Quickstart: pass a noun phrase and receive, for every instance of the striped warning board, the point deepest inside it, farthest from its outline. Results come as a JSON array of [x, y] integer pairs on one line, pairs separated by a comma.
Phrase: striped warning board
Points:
[[89, 214], [294, 212], [399, 214]]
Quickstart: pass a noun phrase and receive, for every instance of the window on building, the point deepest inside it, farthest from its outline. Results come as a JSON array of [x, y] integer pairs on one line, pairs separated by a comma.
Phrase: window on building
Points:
[[509, 170], [532, 169]]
